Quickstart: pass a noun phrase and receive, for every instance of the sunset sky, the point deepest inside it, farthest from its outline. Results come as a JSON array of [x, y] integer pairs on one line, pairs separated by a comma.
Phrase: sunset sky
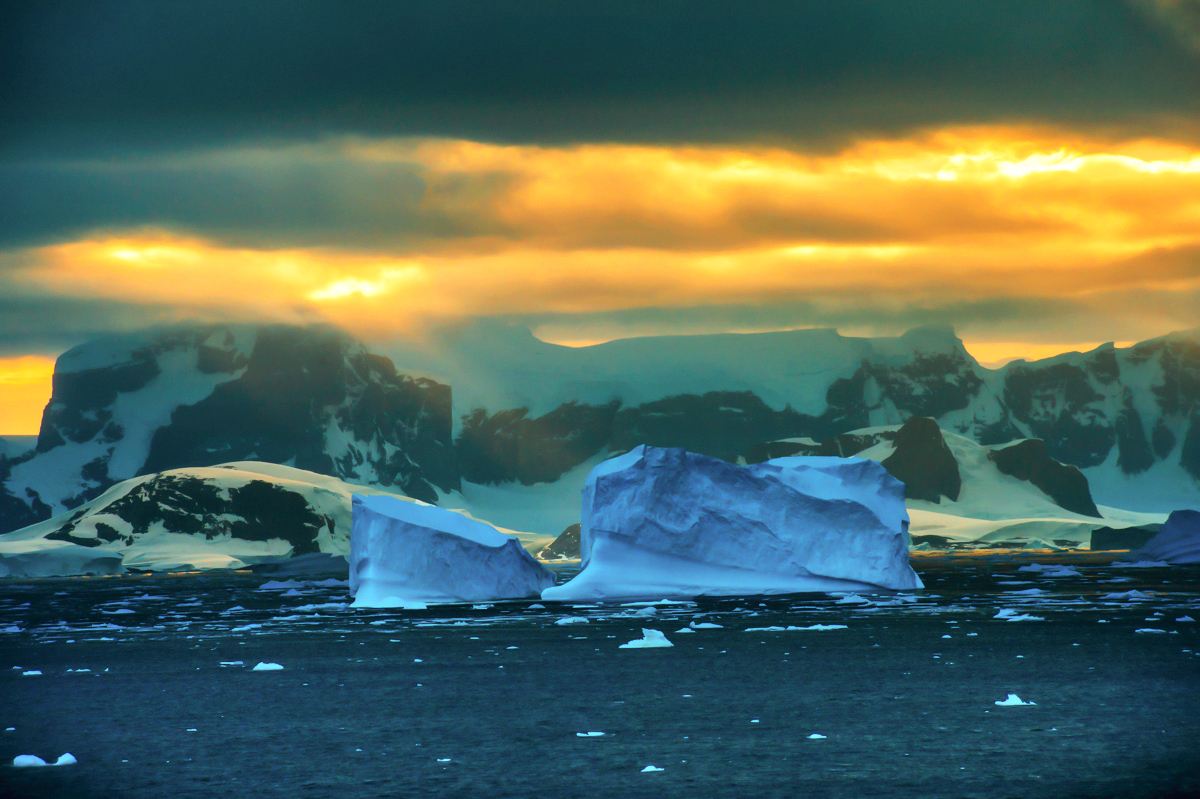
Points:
[[1028, 172]]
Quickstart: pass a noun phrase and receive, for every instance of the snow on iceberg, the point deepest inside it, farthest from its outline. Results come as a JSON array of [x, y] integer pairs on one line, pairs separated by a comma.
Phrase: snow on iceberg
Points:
[[1012, 700], [405, 553], [33, 761], [1178, 541], [651, 639], [668, 522]]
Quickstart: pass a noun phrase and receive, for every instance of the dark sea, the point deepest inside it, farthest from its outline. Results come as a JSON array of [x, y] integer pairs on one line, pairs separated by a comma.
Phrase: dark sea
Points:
[[148, 681]]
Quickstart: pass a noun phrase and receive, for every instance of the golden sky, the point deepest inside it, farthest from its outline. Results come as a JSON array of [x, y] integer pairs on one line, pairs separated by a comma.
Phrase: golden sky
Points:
[[1028, 174], [1030, 240]]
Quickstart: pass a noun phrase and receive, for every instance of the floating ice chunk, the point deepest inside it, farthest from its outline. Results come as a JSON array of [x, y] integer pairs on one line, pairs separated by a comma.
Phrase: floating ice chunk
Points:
[[28, 761], [485, 606], [1027, 592], [662, 521], [233, 663], [33, 761], [244, 627], [1185, 620], [1051, 570], [817, 628], [1150, 631], [705, 625], [406, 551], [651, 639], [572, 620], [1012, 700], [1133, 595], [11, 628], [443, 760], [816, 736], [267, 667], [32, 673], [686, 630], [589, 734], [652, 768], [536, 606], [1008, 614]]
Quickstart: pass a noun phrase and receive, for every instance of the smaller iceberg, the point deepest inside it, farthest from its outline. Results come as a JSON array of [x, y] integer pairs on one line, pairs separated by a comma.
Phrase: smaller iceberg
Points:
[[406, 554], [651, 639], [1012, 700]]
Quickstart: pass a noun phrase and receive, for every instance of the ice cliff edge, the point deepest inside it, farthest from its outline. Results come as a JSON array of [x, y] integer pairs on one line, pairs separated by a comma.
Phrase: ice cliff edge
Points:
[[660, 522], [405, 553]]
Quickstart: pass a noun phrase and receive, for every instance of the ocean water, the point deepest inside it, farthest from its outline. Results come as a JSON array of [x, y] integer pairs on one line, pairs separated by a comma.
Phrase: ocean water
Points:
[[490, 701]]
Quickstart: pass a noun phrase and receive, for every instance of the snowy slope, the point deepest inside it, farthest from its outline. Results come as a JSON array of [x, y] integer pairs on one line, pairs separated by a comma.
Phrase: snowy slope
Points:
[[526, 411], [223, 516]]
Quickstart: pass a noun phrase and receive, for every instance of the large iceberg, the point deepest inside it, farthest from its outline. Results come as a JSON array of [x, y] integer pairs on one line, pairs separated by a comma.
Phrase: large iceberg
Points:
[[1177, 541], [661, 522], [408, 554]]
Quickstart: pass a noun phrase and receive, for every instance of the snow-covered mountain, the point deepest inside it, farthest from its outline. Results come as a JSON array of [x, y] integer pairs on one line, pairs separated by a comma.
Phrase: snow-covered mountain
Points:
[[959, 491], [309, 397], [491, 419], [225, 516], [527, 411]]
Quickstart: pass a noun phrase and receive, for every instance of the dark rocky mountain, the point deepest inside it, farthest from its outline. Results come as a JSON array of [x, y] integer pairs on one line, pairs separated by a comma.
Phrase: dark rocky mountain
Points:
[[566, 546], [1030, 460], [309, 397], [1108, 538], [230, 515], [923, 462], [921, 459]]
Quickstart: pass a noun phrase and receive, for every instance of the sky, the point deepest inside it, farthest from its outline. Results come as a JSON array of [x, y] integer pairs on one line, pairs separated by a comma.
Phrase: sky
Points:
[[1028, 172]]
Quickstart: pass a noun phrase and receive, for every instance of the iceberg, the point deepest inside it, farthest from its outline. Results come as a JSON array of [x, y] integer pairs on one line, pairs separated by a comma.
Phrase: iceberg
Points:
[[407, 554], [1177, 541], [651, 639], [665, 522]]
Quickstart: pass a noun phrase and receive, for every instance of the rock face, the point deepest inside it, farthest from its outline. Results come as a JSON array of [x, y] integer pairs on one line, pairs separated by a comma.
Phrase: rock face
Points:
[[311, 397], [1030, 460], [227, 516], [410, 554], [923, 462], [1104, 538], [565, 547], [666, 522], [528, 411], [1177, 542]]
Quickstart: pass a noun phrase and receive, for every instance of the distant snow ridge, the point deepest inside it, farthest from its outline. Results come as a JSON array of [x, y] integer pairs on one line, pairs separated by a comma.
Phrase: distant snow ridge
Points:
[[666, 522], [405, 553], [1177, 542]]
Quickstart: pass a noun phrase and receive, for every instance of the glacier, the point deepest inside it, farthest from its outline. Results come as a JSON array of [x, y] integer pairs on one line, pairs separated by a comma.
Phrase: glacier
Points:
[[1177, 542], [665, 522], [405, 553]]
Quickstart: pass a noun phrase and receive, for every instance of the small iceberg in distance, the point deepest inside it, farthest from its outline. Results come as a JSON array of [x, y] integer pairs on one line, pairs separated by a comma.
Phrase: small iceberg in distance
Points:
[[1012, 700], [651, 639]]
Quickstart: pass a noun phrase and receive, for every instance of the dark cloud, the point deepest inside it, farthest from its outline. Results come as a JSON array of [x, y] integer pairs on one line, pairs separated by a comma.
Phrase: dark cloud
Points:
[[251, 199], [116, 76], [1110, 316]]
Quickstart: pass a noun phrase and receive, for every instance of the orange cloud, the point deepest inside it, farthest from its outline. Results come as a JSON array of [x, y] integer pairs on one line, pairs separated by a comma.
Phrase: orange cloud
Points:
[[952, 216]]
